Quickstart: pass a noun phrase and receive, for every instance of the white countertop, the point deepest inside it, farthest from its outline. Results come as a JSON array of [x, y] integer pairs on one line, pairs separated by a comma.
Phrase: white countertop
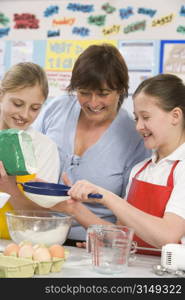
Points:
[[78, 264]]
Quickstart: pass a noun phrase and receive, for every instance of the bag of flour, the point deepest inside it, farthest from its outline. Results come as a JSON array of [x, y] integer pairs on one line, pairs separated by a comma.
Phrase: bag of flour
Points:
[[17, 152]]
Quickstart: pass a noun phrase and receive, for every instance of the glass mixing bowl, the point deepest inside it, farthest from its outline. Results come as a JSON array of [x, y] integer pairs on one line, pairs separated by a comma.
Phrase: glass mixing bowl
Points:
[[38, 227]]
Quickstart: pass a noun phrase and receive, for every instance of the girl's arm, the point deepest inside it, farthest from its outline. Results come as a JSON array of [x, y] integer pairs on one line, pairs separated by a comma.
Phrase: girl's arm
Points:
[[154, 230], [8, 185]]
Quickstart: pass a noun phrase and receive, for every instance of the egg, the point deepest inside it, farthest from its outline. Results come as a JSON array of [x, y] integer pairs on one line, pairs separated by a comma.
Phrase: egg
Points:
[[38, 246], [26, 251], [11, 249], [24, 243], [41, 254], [57, 251]]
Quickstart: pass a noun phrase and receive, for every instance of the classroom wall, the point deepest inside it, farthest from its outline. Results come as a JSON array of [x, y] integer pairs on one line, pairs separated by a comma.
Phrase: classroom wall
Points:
[[150, 35], [94, 19]]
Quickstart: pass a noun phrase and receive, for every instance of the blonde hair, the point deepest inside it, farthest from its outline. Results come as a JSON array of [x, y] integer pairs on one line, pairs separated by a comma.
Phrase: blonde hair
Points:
[[22, 75]]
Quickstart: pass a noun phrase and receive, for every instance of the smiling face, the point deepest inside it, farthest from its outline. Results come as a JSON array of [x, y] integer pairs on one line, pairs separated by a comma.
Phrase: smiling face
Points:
[[18, 109], [99, 106], [161, 130]]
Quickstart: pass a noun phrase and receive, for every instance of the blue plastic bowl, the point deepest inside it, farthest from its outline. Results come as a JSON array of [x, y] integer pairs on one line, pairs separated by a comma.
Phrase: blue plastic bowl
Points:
[[50, 189], [45, 188]]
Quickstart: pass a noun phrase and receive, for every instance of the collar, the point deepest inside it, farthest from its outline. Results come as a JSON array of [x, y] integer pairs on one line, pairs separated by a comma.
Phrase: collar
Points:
[[177, 154]]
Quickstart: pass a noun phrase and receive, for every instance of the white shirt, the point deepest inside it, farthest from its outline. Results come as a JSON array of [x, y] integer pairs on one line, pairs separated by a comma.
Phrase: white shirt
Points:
[[157, 173], [47, 157]]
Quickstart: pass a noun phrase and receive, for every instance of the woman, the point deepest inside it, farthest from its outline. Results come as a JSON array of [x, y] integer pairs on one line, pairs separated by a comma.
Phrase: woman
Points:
[[96, 138], [154, 205], [23, 91]]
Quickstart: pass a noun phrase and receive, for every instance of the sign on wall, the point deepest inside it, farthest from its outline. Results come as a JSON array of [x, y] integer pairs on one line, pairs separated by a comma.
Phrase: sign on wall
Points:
[[54, 33], [172, 59], [98, 19]]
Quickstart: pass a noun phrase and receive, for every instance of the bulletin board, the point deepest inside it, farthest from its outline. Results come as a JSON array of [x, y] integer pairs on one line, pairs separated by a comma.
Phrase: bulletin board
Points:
[[53, 34], [92, 19], [172, 58]]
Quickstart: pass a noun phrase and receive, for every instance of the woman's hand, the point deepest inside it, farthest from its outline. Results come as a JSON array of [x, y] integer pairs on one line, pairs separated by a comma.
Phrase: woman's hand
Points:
[[81, 244], [66, 179], [65, 207]]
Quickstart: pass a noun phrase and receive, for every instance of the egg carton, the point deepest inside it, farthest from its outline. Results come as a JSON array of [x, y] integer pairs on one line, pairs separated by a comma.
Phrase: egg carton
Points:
[[17, 267]]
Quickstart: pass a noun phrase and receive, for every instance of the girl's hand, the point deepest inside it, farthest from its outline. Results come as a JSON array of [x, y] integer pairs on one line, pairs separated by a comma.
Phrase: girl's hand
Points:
[[7, 183], [80, 190]]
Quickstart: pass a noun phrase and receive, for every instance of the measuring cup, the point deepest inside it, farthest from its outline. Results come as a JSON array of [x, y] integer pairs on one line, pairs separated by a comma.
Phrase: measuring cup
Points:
[[110, 247]]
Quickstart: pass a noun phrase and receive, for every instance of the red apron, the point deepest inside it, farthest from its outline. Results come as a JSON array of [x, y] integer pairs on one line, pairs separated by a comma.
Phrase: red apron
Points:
[[150, 198]]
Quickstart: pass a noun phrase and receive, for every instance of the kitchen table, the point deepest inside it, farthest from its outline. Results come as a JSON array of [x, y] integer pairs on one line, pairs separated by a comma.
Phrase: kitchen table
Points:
[[78, 264]]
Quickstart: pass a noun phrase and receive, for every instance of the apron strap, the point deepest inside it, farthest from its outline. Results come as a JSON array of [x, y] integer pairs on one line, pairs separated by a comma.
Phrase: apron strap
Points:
[[145, 165], [170, 177]]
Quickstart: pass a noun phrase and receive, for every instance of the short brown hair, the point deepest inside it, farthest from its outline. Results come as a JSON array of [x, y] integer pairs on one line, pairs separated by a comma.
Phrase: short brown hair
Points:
[[99, 65]]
